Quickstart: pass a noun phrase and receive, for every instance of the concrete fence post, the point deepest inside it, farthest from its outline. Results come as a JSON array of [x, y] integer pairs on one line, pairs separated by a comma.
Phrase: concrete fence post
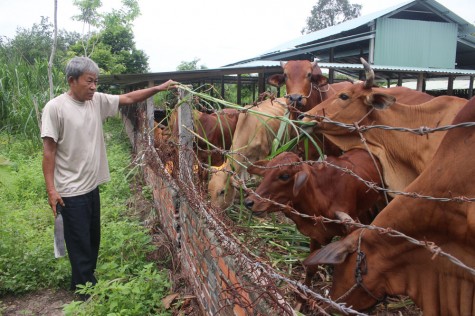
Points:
[[185, 126]]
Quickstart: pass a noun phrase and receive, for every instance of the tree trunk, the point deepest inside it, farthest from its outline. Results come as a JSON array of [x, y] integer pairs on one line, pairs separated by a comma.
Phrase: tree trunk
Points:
[[53, 51]]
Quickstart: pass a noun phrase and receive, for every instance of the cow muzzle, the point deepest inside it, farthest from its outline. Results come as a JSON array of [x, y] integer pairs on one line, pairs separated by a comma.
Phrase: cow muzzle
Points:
[[249, 204], [296, 100]]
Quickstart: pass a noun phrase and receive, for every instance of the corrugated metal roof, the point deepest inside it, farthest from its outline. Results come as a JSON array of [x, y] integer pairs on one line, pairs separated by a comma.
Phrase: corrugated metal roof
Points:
[[441, 71], [333, 30], [465, 28], [255, 63]]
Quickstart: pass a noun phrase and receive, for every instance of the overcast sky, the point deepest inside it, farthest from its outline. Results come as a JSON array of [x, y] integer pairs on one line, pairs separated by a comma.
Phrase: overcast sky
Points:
[[218, 32]]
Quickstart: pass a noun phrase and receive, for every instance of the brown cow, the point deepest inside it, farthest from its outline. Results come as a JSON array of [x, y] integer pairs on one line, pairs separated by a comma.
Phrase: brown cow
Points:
[[217, 128], [306, 87], [395, 266], [305, 84], [403, 156], [252, 141], [317, 190]]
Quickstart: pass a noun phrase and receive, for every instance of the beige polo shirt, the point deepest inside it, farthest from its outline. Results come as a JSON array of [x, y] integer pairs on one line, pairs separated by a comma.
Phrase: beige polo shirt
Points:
[[81, 161]]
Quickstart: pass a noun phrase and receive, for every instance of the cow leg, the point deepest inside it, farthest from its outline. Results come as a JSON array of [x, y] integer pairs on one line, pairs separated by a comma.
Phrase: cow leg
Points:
[[309, 274], [311, 270]]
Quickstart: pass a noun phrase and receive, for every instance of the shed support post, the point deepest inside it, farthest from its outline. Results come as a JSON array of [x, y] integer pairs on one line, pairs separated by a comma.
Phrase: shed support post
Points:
[[222, 87], [470, 88], [420, 81], [399, 79], [450, 85], [239, 86], [371, 45], [261, 83], [331, 71]]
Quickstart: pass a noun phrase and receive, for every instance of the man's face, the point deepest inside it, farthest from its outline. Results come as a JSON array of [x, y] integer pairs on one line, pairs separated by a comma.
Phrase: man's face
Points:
[[83, 88]]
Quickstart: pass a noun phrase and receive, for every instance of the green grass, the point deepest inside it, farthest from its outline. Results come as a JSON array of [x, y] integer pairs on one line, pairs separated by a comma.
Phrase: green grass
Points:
[[128, 284]]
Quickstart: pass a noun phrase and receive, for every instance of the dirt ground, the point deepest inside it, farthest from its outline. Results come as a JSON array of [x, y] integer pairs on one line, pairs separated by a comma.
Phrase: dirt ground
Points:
[[46, 302]]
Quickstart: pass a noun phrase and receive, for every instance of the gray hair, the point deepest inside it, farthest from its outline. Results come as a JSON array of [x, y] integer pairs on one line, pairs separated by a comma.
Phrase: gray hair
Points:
[[79, 65]]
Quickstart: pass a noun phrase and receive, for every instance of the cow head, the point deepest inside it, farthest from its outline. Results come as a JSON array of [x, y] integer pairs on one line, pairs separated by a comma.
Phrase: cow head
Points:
[[356, 277], [220, 188], [303, 81], [349, 105], [283, 179]]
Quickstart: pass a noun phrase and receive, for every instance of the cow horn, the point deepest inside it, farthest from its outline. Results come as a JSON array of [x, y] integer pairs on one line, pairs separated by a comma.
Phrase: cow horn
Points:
[[282, 63], [344, 217], [369, 74]]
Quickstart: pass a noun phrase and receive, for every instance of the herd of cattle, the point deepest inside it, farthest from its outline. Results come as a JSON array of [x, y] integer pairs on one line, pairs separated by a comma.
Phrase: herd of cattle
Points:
[[368, 264]]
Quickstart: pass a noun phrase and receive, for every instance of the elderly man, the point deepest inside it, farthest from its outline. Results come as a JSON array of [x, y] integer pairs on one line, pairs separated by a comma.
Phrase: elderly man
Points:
[[75, 162]]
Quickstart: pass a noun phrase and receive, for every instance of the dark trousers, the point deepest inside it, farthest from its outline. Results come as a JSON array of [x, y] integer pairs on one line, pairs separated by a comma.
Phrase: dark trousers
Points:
[[82, 233]]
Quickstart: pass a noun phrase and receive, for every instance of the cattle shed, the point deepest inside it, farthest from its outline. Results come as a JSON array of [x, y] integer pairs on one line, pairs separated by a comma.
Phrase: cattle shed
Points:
[[417, 40]]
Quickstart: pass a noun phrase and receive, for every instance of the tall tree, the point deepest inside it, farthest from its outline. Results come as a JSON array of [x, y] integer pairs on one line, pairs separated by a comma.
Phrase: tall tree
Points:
[[330, 12], [53, 51], [91, 18], [35, 43], [190, 65], [111, 45]]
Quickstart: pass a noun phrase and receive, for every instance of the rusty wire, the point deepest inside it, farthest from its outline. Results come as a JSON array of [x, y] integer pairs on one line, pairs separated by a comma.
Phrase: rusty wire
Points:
[[432, 247], [422, 130]]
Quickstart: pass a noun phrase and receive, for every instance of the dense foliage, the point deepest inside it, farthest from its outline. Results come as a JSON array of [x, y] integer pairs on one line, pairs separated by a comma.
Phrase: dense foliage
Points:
[[128, 283], [24, 88], [330, 12], [190, 65], [23, 93]]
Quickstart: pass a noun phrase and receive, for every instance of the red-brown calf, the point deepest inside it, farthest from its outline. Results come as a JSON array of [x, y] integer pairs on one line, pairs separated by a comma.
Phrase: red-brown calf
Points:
[[317, 190]]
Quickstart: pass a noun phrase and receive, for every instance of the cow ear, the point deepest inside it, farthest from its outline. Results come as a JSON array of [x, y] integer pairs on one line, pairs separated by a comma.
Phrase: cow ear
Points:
[[380, 101], [254, 168], [300, 179], [334, 253], [319, 80], [276, 80]]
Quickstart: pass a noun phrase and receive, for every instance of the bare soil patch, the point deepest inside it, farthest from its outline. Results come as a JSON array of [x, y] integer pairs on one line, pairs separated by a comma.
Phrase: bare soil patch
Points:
[[46, 302]]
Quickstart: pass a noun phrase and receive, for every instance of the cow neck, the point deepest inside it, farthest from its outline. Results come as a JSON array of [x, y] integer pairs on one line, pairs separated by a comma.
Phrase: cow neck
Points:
[[361, 269], [317, 95]]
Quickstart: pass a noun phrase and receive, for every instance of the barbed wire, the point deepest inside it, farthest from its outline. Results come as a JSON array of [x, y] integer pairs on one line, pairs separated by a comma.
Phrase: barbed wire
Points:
[[431, 246], [422, 130]]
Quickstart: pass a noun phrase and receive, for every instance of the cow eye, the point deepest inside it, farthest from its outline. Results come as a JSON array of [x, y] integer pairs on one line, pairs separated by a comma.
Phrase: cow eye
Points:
[[284, 176], [344, 96], [309, 74]]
